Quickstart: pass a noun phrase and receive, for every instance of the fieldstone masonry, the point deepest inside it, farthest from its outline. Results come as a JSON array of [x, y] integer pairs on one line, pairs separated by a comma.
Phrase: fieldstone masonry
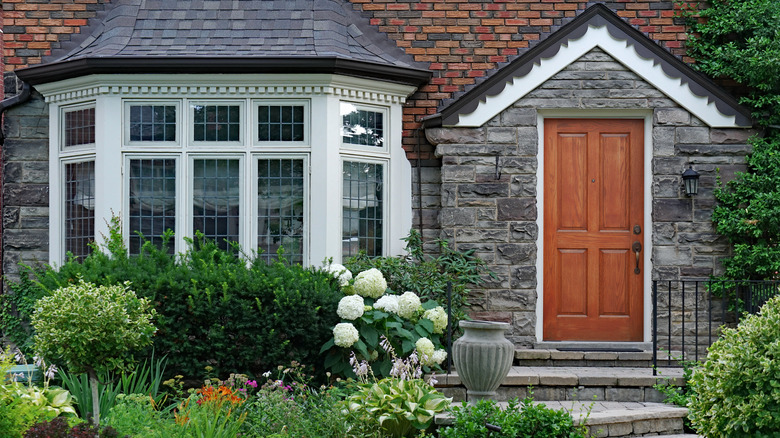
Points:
[[489, 179], [26, 186]]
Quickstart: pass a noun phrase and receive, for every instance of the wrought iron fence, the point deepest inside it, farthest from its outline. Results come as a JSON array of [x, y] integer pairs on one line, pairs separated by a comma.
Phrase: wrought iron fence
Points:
[[688, 315]]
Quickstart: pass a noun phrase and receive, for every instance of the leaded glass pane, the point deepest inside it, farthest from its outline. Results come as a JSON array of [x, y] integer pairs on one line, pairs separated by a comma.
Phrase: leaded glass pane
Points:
[[362, 127], [216, 122], [80, 127], [79, 207], [215, 200], [362, 209], [152, 122], [152, 201], [280, 123], [280, 208]]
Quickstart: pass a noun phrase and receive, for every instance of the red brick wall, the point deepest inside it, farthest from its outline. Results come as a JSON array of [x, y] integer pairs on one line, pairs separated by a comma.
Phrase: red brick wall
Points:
[[32, 28], [465, 39]]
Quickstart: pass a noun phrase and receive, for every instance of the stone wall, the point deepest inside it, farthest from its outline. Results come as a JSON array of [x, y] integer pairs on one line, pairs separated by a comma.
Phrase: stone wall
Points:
[[496, 214], [25, 189]]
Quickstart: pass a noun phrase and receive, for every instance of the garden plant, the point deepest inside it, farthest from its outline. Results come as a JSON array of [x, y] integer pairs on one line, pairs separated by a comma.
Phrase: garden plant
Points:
[[735, 393], [226, 313], [92, 328]]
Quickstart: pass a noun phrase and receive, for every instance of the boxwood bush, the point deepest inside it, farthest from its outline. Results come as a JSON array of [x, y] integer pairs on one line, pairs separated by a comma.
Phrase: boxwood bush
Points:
[[737, 391], [214, 308]]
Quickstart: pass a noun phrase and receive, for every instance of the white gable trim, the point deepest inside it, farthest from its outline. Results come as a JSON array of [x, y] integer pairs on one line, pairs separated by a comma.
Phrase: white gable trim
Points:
[[623, 52]]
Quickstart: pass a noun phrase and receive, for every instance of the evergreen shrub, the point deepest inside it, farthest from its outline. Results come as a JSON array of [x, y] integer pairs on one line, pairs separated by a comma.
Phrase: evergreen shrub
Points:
[[214, 308]]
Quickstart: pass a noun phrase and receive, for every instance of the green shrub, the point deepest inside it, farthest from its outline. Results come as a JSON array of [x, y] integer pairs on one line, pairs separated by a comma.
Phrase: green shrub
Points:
[[214, 308], [737, 392], [524, 419], [92, 329]]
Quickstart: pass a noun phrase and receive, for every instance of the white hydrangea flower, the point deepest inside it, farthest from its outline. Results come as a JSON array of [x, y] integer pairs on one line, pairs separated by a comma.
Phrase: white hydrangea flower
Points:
[[388, 303], [351, 307], [340, 272], [370, 284], [439, 356], [345, 334], [439, 318], [426, 349], [408, 304]]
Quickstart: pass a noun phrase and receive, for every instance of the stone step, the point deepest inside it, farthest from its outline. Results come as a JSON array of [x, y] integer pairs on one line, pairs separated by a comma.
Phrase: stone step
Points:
[[617, 419], [619, 384], [556, 358]]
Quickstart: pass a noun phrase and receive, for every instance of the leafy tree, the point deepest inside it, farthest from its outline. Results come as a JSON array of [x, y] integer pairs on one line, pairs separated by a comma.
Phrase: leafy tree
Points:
[[92, 328], [740, 39]]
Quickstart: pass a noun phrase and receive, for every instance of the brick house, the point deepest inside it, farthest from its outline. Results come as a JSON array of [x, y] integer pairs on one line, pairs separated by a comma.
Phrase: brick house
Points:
[[550, 137]]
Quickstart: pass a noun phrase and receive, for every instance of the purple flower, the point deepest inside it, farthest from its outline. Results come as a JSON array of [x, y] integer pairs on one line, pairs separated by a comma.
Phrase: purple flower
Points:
[[252, 383]]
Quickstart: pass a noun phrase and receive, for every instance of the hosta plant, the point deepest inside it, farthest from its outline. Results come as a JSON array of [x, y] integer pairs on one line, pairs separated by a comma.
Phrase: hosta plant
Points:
[[401, 407]]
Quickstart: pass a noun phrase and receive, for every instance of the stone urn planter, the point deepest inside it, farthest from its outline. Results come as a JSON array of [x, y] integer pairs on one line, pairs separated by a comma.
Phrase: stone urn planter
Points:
[[482, 358]]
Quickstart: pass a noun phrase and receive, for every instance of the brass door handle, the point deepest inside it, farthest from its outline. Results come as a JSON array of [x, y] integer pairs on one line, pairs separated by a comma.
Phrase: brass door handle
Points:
[[637, 247]]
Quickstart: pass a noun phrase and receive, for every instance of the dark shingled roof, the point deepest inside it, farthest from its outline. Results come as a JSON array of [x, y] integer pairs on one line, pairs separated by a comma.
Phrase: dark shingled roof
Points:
[[157, 30]]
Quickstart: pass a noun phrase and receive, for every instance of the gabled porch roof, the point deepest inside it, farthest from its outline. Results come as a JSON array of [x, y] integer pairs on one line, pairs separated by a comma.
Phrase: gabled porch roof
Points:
[[596, 27]]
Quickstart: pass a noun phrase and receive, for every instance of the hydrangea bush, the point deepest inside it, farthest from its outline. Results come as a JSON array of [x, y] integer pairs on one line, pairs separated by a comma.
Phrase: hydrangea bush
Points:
[[370, 312]]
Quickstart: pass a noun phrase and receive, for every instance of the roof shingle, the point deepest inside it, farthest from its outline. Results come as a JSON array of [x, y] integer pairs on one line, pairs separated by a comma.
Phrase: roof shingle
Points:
[[250, 28]]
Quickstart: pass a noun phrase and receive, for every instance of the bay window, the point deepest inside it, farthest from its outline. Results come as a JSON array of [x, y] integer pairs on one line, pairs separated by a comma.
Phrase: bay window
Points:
[[303, 169]]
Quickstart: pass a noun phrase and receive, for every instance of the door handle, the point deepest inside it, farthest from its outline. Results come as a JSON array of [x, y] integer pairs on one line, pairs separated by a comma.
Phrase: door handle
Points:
[[637, 247]]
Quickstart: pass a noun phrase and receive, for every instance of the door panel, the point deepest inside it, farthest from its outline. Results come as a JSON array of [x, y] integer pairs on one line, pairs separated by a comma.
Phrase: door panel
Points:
[[593, 179]]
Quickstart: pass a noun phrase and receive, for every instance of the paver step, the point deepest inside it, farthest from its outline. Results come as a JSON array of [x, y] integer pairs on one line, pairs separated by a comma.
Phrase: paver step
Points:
[[618, 419], [568, 358], [621, 384]]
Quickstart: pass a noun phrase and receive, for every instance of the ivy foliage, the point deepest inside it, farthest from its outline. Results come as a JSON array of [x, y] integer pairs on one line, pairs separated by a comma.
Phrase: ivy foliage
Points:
[[748, 214], [740, 39]]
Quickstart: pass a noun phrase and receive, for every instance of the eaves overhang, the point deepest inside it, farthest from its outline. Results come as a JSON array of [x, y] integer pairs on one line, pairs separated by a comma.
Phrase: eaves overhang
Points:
[[62, 70], [598, 26]]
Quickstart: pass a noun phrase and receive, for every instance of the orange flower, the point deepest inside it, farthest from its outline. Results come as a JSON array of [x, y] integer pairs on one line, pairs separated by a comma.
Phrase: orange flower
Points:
[[219, 395]]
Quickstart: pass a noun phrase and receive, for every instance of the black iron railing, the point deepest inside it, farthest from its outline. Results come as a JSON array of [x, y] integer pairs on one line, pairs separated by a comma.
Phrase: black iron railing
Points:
[[688, 315]]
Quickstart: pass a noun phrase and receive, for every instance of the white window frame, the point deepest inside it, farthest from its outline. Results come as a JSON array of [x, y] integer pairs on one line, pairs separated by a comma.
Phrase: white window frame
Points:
[[323, 149], [385, 192], [190, 184], [180, 205], [254, 229], [155, 145], [61, 193], [305, 103], [365, 149], [210, 145], [79, 148]]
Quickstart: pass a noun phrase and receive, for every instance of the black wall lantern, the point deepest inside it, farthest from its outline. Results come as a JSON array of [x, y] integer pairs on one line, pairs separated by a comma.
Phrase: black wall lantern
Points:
[[691, 180]]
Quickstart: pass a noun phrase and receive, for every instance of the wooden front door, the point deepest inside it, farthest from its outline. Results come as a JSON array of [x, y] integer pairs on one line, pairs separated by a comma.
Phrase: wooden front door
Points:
[[593, 228]]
